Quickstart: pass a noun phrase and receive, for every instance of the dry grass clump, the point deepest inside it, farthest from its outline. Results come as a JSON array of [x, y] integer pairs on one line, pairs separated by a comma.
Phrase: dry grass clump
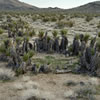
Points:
[[6, 74], [62, 24]]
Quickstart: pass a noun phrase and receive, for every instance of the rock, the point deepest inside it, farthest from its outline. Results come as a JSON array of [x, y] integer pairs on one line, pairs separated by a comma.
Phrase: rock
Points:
[[3, 58], [34, 68], [44, 69]]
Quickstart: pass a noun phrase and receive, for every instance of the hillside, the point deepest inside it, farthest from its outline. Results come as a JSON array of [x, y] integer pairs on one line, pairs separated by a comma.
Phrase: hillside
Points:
[[15, 5]]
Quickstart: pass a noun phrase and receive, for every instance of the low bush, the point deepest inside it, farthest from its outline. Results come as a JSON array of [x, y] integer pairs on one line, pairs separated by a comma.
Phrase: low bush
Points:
[[6, 74]]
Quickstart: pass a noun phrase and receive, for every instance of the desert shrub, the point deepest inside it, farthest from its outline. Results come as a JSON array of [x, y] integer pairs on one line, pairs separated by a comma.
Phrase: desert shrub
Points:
[[62, 24], [31, 53], [69, 23], [55, 33], [98, 44], [92, 51], [41, 34], [98, 26], [6, 74], [46, 19], [64, 32], [88, 18], [28, 55], [25, 57], [2, 48], [19, 71], [98, 34], [48, 38], [32, 33], [86, 37], [18, 39], [34, 18], [70, 48], [53, 19], [77, 36], [1, 31], [61, 17], [86, 93]]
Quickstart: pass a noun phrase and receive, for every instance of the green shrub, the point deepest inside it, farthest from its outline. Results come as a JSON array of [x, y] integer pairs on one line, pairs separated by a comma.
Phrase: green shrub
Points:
[[18, 39], [77, 36], [98, 44], [88, 18], [62, 24], [28, 55], [55, 33], [53, 19], [1, 31], [98, 26], [25, 57], [98, 34], [64, 32], [32, 33], [19, 71], [41, 34], [2, 48], [31, 53], [86, 37], [46, 19]]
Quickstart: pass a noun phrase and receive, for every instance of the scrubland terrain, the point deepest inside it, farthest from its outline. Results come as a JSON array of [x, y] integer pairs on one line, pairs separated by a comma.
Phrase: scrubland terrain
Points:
[[29, 71]]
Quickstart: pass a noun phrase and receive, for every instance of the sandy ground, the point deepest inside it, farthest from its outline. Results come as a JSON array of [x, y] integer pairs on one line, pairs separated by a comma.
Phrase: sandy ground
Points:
[[49, 86]]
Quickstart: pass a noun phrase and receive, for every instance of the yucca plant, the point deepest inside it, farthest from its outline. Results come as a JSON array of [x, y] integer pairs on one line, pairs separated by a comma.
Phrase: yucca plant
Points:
[[64, 32], [86, 37], [41, 34], [55, 33], [32, 33], [31, 53], [25, 57], [19, 39], [28, 56]]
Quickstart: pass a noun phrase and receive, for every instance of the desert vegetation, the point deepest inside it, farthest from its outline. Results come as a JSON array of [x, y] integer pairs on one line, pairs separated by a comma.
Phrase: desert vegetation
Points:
[[53, 47]]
